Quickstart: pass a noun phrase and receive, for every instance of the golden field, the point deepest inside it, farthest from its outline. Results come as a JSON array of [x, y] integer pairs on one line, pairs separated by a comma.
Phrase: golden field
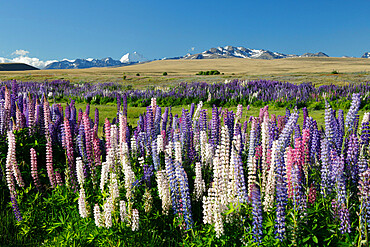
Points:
[[316, 70]]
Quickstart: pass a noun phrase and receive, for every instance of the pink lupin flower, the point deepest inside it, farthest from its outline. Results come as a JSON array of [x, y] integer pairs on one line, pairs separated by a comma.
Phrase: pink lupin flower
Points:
[[49, 162], [289, 165], [49, 149], [305, 140], [88, 137], [107, 134], [58, 178], [11, 159], [97, 151], [34, 173], [69, 152], [47, 117], [8, 104], [19, 119], [31, 114]]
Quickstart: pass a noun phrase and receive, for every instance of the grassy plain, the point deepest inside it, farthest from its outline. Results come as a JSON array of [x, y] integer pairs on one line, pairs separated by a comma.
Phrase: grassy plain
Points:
[[296, 70]]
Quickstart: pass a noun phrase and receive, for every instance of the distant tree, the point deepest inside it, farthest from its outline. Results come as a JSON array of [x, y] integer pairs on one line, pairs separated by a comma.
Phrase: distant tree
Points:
[[209, 72], [164, 73], [137, 74]]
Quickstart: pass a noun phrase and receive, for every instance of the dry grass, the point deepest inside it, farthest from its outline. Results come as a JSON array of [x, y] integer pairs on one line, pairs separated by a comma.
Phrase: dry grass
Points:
[[317, 70]]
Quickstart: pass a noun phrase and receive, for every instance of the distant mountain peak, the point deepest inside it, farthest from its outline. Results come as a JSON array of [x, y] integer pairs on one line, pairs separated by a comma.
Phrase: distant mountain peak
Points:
[[366, 55], [133, 58]]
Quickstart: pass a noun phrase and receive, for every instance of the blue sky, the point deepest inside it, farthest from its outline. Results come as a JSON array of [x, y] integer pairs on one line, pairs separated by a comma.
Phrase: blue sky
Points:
[[81, 29]]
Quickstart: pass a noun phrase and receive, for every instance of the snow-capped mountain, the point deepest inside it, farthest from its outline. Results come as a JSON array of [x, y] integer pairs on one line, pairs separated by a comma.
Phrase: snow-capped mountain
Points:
[[366, 55], [242, 52], [133, 58], [84, 63], [127, 59]]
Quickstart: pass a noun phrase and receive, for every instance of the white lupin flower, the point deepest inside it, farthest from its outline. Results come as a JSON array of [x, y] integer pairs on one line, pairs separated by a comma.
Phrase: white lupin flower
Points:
[[123, 211], [133, 145], [199, 185], [80, 172], [251, 157], [178, 153], [160, 146], [113, 186], [82, 203], [164, 191], [108, 208], [366, 117], [97, 216], [219, 227], [270, 186], [114, 141], [196, 113], [104, 176], [135, 220], [129, 180], [265, 141]]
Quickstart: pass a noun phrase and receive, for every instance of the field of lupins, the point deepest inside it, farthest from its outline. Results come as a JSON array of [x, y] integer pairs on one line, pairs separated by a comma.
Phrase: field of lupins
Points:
[[205, 177]]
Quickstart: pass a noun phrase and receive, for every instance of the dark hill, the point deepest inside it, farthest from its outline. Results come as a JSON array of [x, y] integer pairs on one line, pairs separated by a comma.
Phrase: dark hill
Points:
[[16, 67]]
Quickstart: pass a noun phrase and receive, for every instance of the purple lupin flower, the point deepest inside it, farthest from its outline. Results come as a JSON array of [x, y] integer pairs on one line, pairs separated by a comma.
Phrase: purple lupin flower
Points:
[[175, 193], [340, 129], [257, 214], [352, 157], [124, 105], [340, 189], [82, 148], [96, 121], [353, 110], [215, 127], [364, 197], [281, 188], [87, 111], [16, 210], [305, 116], [326, 183], [182, 182]]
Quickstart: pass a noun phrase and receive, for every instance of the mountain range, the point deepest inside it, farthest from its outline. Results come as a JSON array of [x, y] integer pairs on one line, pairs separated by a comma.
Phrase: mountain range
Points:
[[242, 52], [213, 53], [127, 59]]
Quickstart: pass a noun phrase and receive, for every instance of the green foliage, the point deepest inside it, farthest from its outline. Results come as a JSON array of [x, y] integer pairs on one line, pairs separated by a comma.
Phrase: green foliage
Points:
[[209, 72], [164, 73], [335, 72], [137, 74]]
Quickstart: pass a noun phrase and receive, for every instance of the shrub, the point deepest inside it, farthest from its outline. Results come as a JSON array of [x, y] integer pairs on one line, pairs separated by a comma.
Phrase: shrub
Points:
[[209, 72], [137, 74], [164, 73], [335, 72]]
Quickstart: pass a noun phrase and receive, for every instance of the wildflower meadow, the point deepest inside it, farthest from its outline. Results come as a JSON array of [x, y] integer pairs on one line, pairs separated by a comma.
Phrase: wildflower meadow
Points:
[[206, 177]]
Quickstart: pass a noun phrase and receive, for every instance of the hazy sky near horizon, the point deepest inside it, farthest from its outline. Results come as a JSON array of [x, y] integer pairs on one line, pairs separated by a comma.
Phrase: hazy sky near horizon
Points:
[[81, 29]]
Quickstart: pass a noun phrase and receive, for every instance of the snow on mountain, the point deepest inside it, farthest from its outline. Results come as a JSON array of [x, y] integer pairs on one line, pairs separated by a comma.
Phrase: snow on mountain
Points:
[[133, 58], [366, 55], [83, 63], [242, 52]]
